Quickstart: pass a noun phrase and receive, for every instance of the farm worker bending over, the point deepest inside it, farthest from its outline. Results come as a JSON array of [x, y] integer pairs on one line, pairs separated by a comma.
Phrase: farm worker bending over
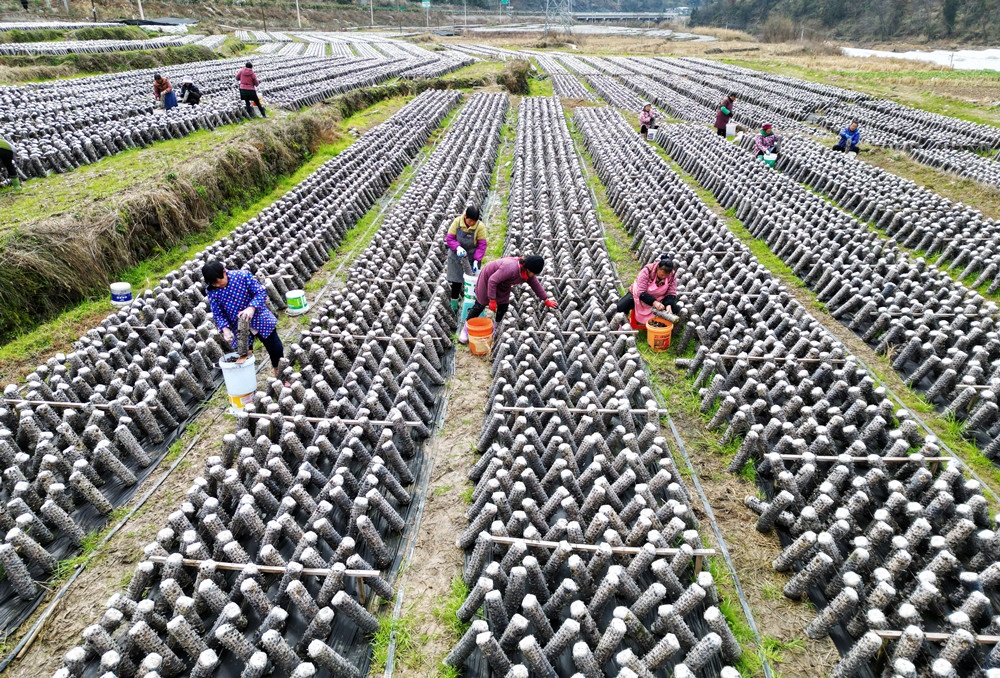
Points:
[[765, 141], [466, 238], [237, 294], [654, 288], [495, 282], [646, 119], [248, 92], [164, 92], [7, 160], [849, 138], [724, 113], [190, 94]]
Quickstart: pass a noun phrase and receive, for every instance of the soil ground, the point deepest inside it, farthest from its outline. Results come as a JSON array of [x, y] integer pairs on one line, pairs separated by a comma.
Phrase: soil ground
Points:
[[437, 563]]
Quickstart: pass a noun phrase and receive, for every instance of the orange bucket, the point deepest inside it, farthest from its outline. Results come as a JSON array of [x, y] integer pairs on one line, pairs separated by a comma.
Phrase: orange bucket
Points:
[[480, 335], [658, 334]]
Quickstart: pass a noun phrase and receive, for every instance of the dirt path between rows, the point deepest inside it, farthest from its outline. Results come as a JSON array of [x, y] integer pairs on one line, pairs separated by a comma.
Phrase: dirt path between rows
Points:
[[437, 561]]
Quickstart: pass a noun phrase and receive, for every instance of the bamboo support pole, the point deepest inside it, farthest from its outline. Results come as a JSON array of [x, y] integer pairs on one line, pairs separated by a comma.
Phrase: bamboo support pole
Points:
[[72, 406], [337, 335], [623, 550], [765, 358], [319, 420], [934, 636], [573, 410], [588, 333], [863, 460], [267, 569]]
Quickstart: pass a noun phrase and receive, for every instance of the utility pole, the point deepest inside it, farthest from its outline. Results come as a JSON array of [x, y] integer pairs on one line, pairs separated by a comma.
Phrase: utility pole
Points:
[[371, 10], [142, 14], [298, 14], [465, 8]]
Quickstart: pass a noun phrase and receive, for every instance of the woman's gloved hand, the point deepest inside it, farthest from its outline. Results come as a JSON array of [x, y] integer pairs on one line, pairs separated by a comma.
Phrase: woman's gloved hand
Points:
[[247, 313], [551, 303], [475, 266], [493, 305], [658, 306], [460, 251], [227, 334]]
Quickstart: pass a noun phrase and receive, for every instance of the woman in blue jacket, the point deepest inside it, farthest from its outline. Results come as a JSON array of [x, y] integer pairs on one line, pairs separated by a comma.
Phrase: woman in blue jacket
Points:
[[849, 138]]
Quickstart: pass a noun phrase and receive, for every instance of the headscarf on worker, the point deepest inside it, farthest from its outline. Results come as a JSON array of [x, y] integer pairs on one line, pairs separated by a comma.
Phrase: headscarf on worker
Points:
[[466, 239], [654, 289], [190, 94], [766, 140], [498, 277]]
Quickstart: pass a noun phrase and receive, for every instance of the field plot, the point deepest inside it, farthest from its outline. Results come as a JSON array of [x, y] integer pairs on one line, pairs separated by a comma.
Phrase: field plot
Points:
[[803, 484]]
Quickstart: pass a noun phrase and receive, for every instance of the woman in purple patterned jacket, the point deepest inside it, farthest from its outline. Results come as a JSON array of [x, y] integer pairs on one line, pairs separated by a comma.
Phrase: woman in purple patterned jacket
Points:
[[237, 294]]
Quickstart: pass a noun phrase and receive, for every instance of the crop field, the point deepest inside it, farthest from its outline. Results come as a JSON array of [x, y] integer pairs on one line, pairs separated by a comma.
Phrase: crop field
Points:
[[793, 469]]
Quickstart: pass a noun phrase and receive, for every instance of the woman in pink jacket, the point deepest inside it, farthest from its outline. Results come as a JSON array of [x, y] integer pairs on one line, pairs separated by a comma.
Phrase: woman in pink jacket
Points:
[[655, 288], [248, 92], [496, 280], [646, 120]]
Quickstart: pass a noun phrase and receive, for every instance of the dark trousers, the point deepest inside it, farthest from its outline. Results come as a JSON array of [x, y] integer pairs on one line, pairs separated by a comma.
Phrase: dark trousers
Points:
[[477, 310], [627, 303], [7, 160], [842, 147], [456, 289], [250, 95], [275, 349], [721, 132]]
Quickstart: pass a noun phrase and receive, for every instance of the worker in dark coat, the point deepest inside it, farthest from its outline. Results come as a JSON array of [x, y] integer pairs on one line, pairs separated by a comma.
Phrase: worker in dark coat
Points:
[[724, 113], [190, 94]]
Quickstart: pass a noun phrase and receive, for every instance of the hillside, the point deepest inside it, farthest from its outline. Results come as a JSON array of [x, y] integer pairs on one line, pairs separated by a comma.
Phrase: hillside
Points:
[[956, 21]]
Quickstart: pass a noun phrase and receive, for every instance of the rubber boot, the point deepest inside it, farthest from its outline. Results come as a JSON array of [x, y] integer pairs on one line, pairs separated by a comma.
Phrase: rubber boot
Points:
[[15, 183], [454, 304], [463, 336]]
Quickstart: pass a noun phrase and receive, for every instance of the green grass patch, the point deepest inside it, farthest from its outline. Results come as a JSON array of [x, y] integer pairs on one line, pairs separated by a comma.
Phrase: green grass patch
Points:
[[540, 87], [36, 68], [466, 495], [113, 175], [444, 489], [447, 608], [389, 629]]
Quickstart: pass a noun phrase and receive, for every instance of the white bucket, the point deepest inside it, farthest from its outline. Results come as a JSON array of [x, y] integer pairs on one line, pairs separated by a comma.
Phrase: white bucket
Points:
[[296, 300], [770, 158], [121, 294], [730, 129], [241, 379], [469, 300]]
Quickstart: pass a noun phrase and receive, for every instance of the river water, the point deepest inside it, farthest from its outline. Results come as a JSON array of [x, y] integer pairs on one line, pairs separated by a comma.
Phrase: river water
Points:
[[963, 59]]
